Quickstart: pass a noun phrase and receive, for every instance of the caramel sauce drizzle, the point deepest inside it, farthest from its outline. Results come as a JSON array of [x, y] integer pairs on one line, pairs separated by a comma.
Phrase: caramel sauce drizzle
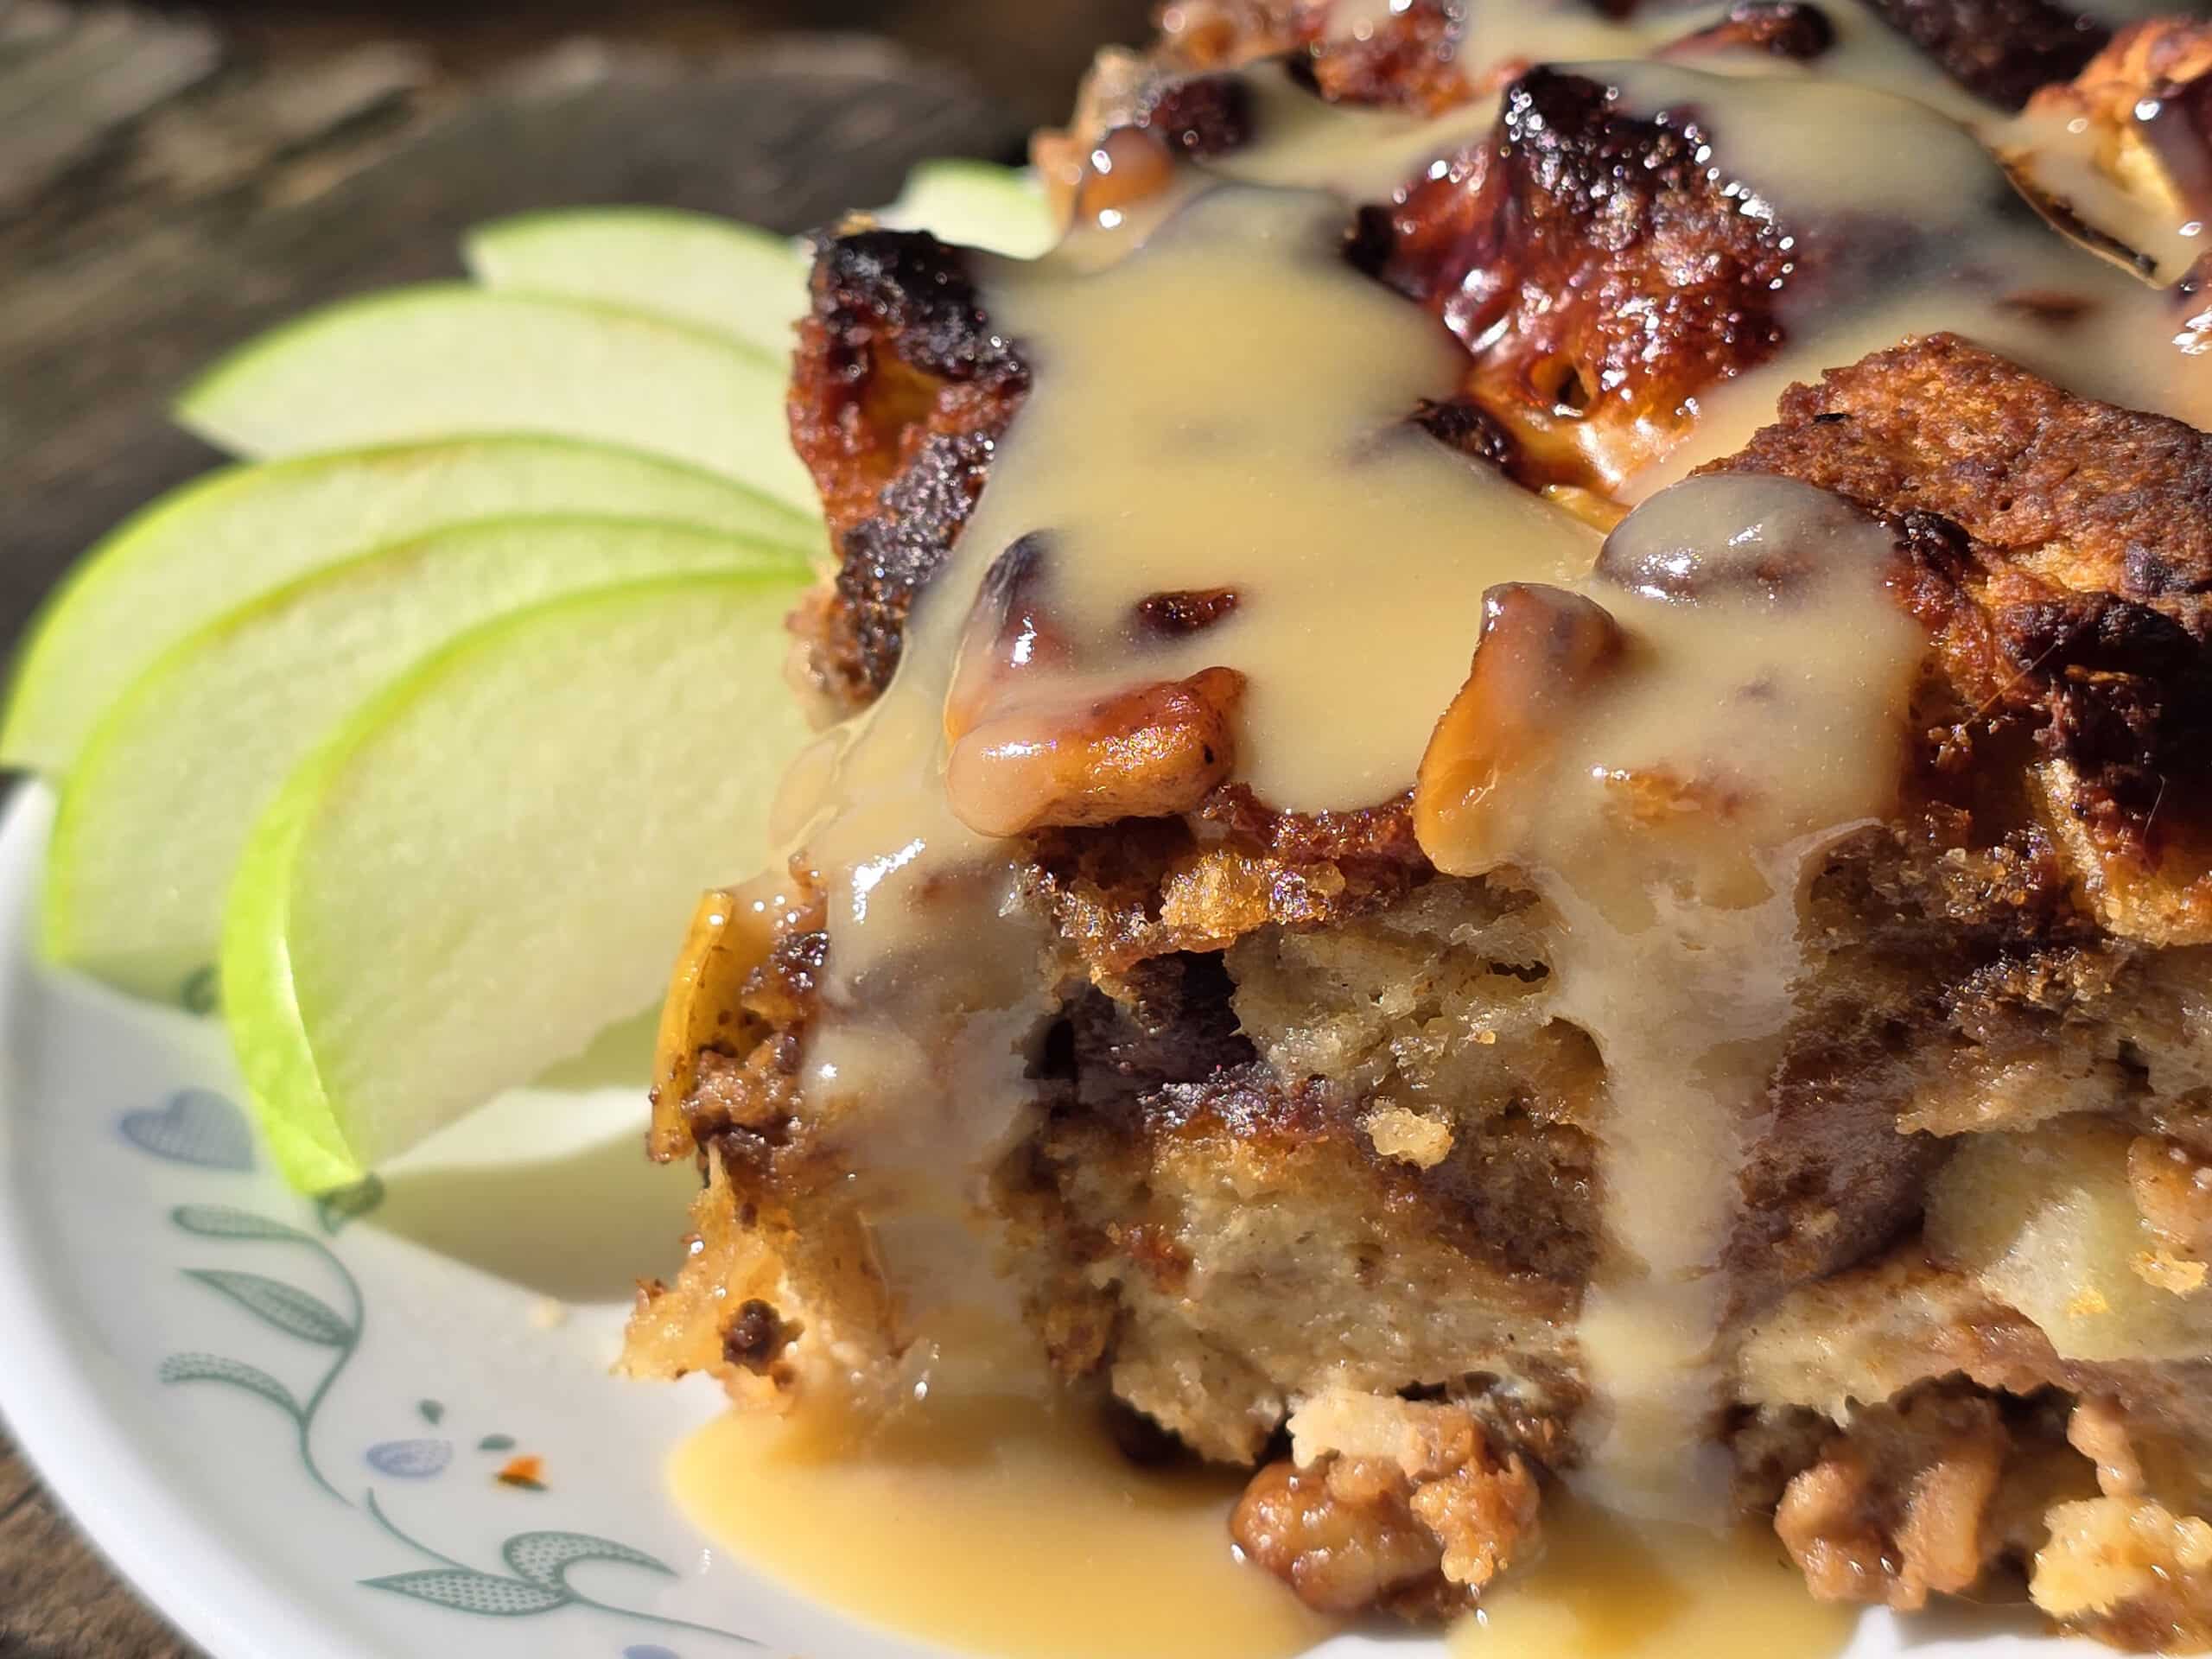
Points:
[[1975, 258], [1666, 748]]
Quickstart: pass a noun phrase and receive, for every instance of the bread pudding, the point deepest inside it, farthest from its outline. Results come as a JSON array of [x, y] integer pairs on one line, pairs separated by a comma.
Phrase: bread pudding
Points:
[[1516, 795]]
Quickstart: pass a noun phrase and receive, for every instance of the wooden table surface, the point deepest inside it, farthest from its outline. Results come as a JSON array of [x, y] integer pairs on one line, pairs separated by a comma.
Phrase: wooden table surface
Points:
[[185, 193]]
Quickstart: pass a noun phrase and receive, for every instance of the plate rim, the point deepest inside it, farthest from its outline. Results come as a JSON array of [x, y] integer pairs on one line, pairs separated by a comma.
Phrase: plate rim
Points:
[[137, 1518]]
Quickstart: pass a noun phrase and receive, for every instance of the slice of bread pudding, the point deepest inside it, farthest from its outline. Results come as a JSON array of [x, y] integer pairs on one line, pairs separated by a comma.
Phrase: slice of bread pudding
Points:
[[1517, 790]]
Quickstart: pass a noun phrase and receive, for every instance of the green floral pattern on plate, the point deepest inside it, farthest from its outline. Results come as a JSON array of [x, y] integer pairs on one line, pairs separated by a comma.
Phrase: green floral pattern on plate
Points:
[[537, 1579]]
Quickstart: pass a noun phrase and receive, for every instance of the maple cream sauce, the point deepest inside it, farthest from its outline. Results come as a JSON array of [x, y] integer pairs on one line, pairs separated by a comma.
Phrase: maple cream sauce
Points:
[[1687, 773], [1220, 402], [1001, 1530], [1368, 153], [1836, 163], [1611, 1589], [994, 1527]]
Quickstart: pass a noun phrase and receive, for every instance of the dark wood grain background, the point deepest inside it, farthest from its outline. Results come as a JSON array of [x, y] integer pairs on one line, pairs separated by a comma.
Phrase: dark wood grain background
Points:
[[172, 182]]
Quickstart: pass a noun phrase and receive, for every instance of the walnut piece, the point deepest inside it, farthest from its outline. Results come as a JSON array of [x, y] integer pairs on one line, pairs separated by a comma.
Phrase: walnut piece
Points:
[[1153, 752], [1895, 1507], [1393, 1503], [1540, 650]]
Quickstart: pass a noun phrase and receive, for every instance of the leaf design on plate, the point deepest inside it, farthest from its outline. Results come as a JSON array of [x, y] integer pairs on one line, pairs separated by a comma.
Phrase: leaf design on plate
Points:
[[472, 1591], [221, 1221], [345, 1204], [194, 1126], [410, 1460], [309, 1318], [213, 1368], [545, 1557]]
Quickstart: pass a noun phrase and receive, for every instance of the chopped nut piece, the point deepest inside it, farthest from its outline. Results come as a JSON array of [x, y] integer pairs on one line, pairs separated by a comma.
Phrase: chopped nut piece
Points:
[[2172, 1187], [1894, 1509], [1150, 752], [1124, 168], [1409, 1137], [1396, 1503], [1341, 1550], [2139, 1573], [2098, 1430], [1483, 1514], [1542, 649]]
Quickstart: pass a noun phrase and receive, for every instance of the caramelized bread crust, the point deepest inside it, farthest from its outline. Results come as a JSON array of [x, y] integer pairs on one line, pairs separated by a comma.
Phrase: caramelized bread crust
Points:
[[1599, 269], [2061, 560], [899, 390]]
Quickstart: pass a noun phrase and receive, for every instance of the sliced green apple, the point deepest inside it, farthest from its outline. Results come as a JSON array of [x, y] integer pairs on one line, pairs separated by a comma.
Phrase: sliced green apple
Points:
[[490, 863], [223, 539], [975, 205], [691, 268], [450, 360], [159, 804]]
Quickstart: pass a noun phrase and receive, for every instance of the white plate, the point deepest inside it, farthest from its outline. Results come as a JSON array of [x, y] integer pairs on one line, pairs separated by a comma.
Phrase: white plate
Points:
[[298, 1461]]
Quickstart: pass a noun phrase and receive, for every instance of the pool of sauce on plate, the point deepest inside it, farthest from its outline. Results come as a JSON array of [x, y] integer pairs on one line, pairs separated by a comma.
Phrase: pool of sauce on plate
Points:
[[996, 1527], [1005, 1531], [1608, 1588]]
